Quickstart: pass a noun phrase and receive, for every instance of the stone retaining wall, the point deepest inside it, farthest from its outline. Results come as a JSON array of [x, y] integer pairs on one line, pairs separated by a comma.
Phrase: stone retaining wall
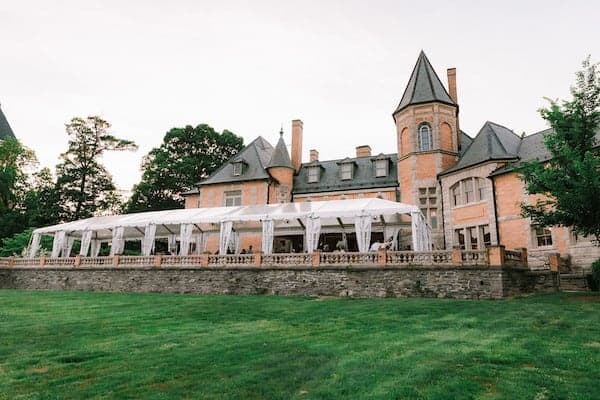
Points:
[[451, 282]]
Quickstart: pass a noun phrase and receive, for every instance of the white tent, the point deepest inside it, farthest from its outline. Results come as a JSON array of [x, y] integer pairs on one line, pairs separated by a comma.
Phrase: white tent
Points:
[[311, 218]]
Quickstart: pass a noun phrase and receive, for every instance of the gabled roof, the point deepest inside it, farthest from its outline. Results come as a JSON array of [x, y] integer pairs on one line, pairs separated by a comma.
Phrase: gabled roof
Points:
[[363, 176], [256, 156], [533, 148], [493, 142], [280, 156], [424, 86], [5, 129]]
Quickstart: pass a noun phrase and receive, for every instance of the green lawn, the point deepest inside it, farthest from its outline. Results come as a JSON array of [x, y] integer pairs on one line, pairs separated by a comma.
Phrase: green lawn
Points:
[[106, 345]]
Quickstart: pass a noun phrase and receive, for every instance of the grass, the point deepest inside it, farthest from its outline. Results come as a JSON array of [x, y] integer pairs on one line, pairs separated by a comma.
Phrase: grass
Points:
[[159, 346]]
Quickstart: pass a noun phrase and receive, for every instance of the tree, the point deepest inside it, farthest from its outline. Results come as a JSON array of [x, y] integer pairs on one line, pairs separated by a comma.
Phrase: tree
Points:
[[41, 202], [186, 156], [86, 187], [14, 160], [570, 181]]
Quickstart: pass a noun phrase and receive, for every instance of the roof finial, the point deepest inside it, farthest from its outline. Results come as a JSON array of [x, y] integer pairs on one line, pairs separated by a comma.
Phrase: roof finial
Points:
[[281, 131]]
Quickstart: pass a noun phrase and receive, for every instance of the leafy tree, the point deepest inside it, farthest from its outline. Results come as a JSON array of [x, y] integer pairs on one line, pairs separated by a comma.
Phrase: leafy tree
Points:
[[86, 187], [41, 201], [186, 156], [14, 161], [570, 181]]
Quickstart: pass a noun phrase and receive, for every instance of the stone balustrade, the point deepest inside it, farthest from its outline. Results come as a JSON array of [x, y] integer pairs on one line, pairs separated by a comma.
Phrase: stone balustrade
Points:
[[493, 256]]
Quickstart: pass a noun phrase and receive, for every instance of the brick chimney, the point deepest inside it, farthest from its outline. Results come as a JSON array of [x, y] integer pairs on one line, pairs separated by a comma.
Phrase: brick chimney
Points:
[[452, 84], [453, 95], [314, 155], [296, 156], [363, 151]]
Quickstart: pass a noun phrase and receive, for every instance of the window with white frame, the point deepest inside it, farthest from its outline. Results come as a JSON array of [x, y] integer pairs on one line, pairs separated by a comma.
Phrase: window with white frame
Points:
[[542, 236], [346, 171], [233, 198], [313, 174], [381, 168], [428, 205], [468, 190], [425, 137], [473, 237]]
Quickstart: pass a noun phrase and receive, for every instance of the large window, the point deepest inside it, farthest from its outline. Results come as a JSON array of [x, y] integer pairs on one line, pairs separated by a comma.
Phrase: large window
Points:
[[473, 237], [233, 198], [313, 174], [543, 236], [428, 205], [346, 171], [425, 137], [468, 191], [381, 168]]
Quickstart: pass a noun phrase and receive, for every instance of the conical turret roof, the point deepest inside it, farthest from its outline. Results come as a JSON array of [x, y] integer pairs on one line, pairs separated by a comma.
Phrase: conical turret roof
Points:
[[5, 129], [280, 156], [424, 86]]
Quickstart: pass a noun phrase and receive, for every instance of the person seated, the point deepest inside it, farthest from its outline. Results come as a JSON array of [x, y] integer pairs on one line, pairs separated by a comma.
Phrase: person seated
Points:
[[243, 251], [250, 250], [325, 248]]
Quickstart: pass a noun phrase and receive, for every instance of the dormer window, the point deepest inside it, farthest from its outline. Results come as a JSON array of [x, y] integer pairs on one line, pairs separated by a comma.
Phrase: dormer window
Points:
[[237, 168], [425, 139], [346, 171], [313, 174], [381, 168]]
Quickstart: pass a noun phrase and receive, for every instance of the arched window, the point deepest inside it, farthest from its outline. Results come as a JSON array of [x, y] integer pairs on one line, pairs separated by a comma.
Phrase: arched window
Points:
[[469, 190], [425, 140]]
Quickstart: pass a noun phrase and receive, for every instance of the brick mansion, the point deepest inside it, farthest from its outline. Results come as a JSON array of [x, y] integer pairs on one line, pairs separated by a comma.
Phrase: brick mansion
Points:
[[465, 185]]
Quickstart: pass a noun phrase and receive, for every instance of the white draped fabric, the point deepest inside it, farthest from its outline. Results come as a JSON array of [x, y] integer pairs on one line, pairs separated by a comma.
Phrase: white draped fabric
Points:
[[118, 243], [67, 246], [185, 235], [35, 245], [313, 231], [86, 239], [225, 236], [200, 240], [172, 243], [95, 248], [391, 232], [362, 226], [58, 243], [268, 230], [235, 243], [421, 233], [148, 240]]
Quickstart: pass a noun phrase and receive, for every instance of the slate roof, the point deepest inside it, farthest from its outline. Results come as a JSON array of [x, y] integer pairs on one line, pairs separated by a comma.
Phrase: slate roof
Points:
[[5, 129], [190, 192], [424, 86], [493, 142], [280, 156], [255, 156], [363, 175], [465, 142]]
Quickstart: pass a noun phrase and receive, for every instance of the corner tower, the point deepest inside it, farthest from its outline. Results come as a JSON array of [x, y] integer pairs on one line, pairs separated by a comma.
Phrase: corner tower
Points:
[[428, 141], [282, 173]]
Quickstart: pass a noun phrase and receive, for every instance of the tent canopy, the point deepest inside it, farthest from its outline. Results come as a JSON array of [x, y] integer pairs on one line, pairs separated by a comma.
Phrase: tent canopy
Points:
[[208, 219], [309, 217]]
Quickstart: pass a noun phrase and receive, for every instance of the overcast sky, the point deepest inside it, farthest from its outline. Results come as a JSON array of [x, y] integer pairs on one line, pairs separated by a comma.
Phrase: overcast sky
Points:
[[250, 66]]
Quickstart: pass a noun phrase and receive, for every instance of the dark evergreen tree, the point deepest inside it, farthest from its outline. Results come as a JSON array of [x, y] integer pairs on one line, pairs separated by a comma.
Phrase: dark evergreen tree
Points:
[[84, 185]]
